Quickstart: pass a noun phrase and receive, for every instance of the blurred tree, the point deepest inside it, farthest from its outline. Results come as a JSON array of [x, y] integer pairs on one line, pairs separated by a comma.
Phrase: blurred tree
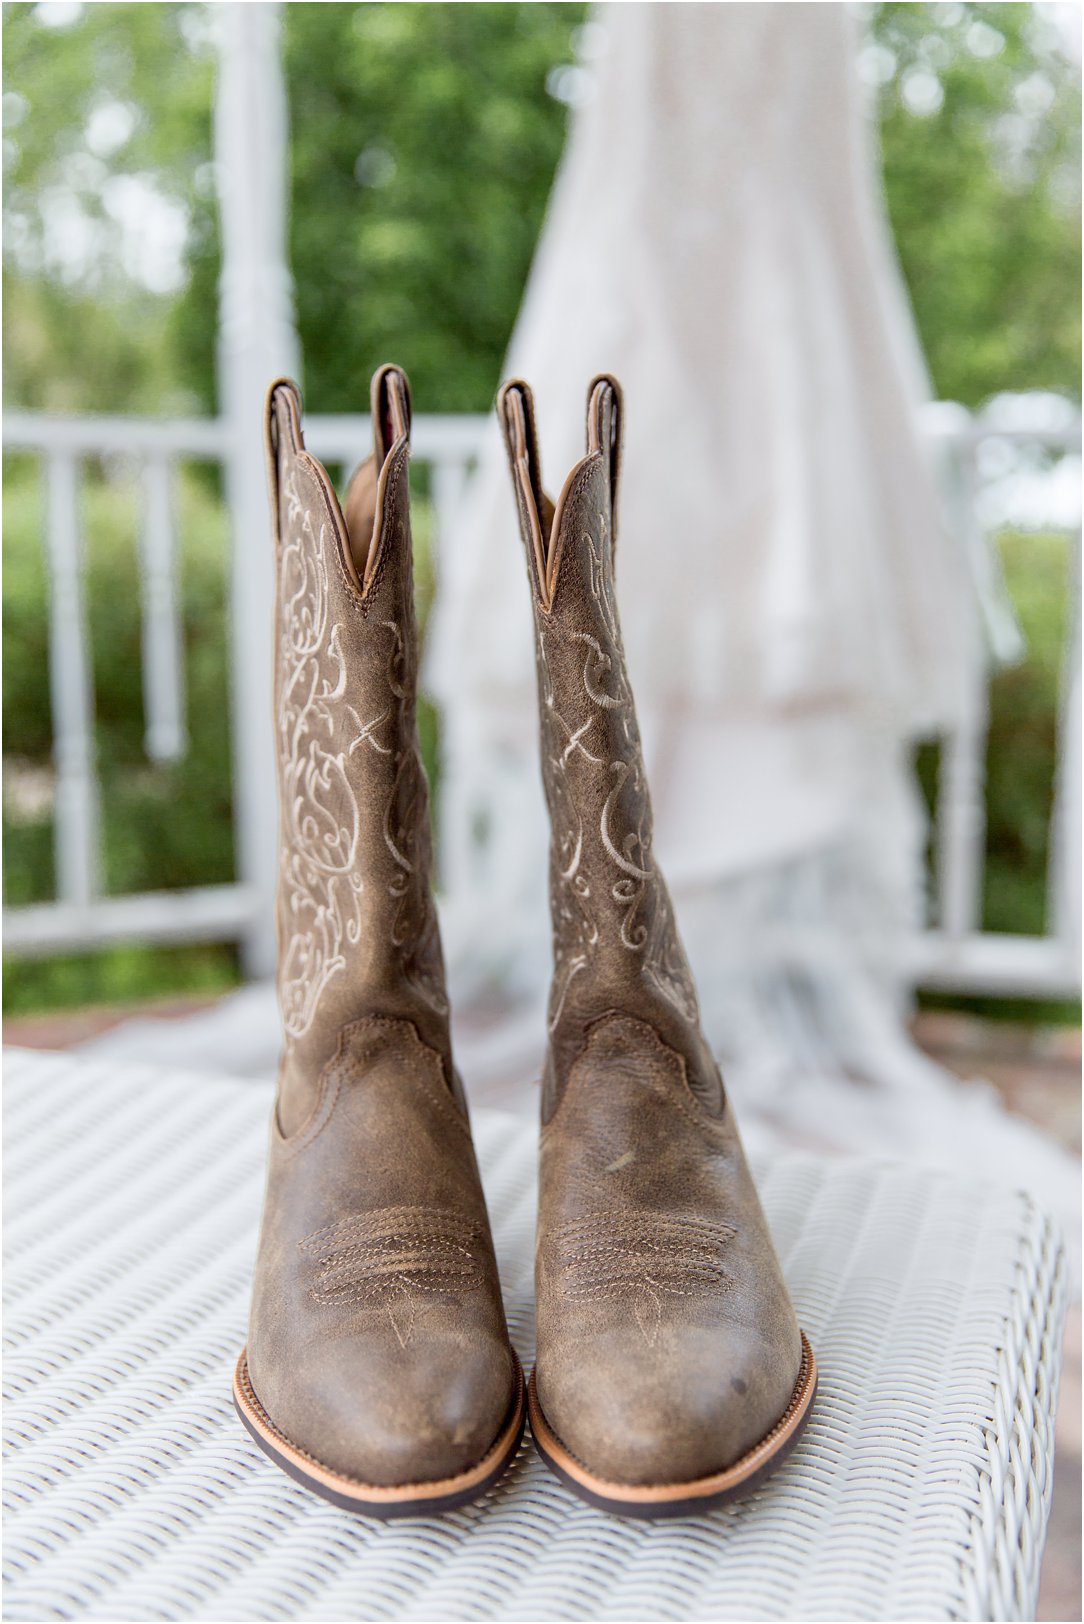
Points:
[[425, 139], [424, 144], [110, 253], [980, 131]]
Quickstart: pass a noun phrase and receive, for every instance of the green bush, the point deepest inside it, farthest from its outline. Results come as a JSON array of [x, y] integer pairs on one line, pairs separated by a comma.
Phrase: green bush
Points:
[[1022, 750], [163, 825]]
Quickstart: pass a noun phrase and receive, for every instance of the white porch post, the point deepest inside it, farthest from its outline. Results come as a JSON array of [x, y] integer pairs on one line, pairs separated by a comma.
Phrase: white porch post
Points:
[[257, 342]]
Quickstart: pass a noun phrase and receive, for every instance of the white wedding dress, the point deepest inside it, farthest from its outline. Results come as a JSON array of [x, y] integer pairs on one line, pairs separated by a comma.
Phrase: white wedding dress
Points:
[[795, 611]]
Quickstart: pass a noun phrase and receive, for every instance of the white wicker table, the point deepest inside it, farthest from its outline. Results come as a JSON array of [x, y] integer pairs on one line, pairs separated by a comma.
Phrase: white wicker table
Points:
[[920, 1489]]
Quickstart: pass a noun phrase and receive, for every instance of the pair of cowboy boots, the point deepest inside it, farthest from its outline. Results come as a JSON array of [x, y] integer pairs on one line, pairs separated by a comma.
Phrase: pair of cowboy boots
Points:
[[670, 1368]]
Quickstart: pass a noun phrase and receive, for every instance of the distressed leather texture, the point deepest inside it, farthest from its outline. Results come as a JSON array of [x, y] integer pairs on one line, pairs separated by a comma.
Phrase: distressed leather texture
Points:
[[377, 1340], [667, 1344]]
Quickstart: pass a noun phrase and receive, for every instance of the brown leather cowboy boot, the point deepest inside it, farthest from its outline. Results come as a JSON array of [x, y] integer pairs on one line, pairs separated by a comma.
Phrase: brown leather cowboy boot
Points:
[[378, 1370], [670, 1371]]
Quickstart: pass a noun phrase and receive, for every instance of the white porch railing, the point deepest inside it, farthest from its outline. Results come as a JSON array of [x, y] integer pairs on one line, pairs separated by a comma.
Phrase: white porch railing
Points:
[[956, 954], [81, 917]]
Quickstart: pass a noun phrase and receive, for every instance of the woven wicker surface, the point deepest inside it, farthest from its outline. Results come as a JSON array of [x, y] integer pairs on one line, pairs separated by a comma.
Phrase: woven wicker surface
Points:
[[919, 1491]]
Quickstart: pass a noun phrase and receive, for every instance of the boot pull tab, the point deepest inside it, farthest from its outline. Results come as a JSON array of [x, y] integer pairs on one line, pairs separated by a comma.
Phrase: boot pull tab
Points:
[[604, 433], [391, 411], [282, 414], [515, 408]]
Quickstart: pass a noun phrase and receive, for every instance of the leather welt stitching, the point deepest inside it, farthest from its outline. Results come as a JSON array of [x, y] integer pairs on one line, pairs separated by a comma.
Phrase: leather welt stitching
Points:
[[360, 1293], [637, 1224], [682, 1258], [366, 1230], [376, 1249], [644, 1291], [317, 1122], [418, 1062], [647, 1229], [347, 1065], [634, 1271], [382, 1259], [674, 1088], [399, 539], [667, 1257]]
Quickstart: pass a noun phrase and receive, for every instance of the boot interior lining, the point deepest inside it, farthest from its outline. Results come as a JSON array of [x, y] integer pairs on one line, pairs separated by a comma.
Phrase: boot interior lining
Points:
[[359, 509], [359, 512]]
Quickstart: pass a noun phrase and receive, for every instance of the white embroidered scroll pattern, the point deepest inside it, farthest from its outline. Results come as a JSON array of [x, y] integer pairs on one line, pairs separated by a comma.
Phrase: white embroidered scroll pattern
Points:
[[604, 733], [575, 931], [322, 734], [319, 883]]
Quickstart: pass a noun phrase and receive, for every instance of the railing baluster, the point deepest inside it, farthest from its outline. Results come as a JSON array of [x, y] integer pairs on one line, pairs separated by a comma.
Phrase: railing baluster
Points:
[[71, 689], [257, 341], [961, 801], [962, 830], [163, 664]]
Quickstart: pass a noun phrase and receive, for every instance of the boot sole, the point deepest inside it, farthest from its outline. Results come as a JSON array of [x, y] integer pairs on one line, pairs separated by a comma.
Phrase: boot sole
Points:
[[651, 1500], [374, 1499]]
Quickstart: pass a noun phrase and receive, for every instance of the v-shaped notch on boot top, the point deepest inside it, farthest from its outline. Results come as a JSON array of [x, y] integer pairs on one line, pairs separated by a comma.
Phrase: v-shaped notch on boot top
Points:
[[366, 496], [543, 520]]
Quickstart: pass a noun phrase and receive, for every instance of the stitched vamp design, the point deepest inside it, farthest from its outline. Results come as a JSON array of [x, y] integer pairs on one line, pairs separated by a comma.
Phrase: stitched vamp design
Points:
[[385, 1259], [644, 1257]]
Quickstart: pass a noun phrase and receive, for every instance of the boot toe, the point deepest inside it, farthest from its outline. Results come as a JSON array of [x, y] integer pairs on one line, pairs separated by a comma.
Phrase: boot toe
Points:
[[675, 1417], [393, 1423]]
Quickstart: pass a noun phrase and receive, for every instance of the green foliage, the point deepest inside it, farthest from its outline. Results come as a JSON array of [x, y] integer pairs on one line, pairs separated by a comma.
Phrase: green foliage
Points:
[[1023, 737], [424, 145], [983, 188], [163, 826], [423, 149], [28, 727], [118, 975], [107, 118]]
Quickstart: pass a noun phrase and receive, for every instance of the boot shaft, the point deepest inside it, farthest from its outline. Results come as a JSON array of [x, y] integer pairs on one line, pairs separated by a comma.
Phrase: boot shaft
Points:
[[356, 922], [615, 942]]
